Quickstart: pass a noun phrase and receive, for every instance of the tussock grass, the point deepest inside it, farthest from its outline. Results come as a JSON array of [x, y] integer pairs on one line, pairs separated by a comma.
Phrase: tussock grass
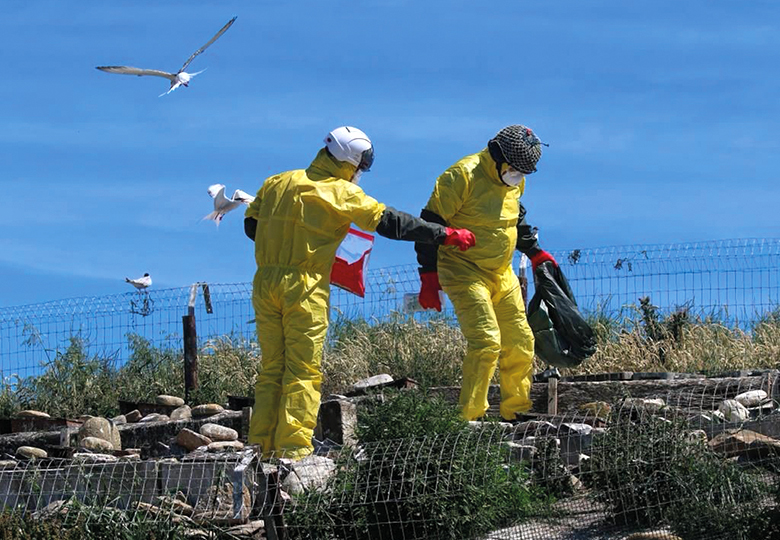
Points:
[[700, 347], [429, 352], [78, 381]]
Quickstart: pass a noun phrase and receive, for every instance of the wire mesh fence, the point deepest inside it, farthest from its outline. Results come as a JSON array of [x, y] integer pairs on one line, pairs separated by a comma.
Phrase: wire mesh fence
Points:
[[734, 281], [703, 463]]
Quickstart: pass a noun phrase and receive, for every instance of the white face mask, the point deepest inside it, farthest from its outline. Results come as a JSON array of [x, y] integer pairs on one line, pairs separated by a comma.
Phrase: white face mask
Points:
[[356, 177], [512, 178]]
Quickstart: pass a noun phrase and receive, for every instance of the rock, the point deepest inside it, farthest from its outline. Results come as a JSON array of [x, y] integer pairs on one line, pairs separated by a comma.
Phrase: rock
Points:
[[534, 428], [733, 410], [215, 432], [575, 439], [102, 429], [646, 404], [52, 510], [478, 424], [191, 440], [216, 505], [169, 401], [743, 442], [696, 437], [84, 417], [7, 463], [752, 398], [376, 380], [226, 446], [177, 504], [31, 452], [133, 416], [311, 472], [574, 428], [119, 420], [209, 409], [182, 413], [336, 421], [599, 409], [83, 457], [129, 457], [96, 444], [154, 417], [521, 452], [253, 529], [146, 508], [32, 414], [575, 483]]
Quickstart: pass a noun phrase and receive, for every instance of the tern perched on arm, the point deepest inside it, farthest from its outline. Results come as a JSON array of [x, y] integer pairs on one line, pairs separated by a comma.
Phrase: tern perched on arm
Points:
[[223, 205], [180, 78], [142, 282]]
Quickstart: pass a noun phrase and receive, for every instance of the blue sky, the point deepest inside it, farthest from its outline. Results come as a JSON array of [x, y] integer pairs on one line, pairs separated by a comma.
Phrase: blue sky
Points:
[[662, 119]]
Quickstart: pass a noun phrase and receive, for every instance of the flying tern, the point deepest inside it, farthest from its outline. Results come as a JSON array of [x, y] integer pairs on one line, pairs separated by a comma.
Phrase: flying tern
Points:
[[142, 282], [180, 78], [223, 205]]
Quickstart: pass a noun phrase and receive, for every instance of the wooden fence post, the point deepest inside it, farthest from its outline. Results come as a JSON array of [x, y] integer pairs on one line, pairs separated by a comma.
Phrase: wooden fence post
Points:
[[190, 355]]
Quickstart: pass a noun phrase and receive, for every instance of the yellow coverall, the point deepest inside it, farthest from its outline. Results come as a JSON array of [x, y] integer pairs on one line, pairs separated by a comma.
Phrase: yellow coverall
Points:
[[482, 285], [302, 217]]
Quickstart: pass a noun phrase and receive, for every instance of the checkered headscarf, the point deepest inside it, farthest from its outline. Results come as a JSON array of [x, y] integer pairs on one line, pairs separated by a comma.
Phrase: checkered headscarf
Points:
[[520, 146]]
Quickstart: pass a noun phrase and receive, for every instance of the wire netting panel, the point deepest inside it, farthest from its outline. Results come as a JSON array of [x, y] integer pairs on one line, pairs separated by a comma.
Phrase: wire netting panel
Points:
[[698, 464], [735, 282], [667, 466]]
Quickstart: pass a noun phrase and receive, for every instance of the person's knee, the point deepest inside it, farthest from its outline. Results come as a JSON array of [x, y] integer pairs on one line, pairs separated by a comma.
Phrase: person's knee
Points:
[[485, 351]]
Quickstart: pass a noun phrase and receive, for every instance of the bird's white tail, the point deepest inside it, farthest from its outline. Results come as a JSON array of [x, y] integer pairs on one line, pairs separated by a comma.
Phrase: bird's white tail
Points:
[[215, 216]]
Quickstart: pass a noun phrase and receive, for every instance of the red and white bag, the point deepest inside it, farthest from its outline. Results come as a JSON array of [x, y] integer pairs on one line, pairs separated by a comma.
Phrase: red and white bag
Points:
[[351, 264]]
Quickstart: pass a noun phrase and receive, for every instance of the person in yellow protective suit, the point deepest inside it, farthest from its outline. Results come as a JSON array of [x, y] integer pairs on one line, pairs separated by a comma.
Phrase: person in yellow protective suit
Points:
[[297, 222], [482, 192]]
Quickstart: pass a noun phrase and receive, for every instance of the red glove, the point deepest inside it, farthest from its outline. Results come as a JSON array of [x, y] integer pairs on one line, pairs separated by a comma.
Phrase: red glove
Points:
[[463, 238], [429, 291], [539, 257]]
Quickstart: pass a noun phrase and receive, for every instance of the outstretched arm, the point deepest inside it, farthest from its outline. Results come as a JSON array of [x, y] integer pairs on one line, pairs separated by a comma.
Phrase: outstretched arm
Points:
[[397, 225]]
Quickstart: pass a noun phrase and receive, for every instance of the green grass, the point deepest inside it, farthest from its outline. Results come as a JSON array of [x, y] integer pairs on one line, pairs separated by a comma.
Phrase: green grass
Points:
[[77, 380], [422, 474]]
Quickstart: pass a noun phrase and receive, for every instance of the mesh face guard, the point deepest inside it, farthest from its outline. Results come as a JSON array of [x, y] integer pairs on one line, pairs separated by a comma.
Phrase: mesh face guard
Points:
[[520, 146], [366, 160]]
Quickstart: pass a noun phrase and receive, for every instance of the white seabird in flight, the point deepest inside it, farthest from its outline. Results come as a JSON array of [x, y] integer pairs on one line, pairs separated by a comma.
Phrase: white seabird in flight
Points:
[[223, 205], [180, 78], [142, 282]]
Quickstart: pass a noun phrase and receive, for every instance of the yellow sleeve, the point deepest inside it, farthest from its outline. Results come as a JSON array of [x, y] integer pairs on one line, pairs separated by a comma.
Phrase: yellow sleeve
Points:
[[353, 204], [449, 193], [253, 211]]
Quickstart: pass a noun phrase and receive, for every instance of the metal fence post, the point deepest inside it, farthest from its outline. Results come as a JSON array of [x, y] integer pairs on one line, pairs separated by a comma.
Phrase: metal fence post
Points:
[[190, 335]]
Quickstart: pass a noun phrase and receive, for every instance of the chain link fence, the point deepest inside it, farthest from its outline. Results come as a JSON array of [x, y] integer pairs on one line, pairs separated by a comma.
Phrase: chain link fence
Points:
[[735, 282]]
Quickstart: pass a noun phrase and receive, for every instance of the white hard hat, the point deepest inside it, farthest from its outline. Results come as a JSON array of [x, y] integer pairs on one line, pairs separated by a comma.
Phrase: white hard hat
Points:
[[351, 145]]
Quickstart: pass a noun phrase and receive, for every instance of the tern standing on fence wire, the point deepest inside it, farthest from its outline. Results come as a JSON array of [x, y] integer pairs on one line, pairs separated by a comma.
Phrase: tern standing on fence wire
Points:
[[143, 282], [481, 192], [297, 222]]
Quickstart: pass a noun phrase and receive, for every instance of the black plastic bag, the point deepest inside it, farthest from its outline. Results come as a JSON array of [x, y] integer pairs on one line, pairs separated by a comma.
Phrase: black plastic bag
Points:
[[562, 336]]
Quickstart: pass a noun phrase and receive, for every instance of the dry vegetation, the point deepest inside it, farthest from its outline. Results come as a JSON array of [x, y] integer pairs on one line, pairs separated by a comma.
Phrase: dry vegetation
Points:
[[78, 381]]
